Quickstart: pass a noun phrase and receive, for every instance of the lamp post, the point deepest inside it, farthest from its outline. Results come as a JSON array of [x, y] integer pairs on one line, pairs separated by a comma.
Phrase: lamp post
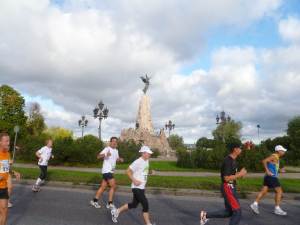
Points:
[[170, 126], [101, 113], [258, 127], [83, 122], [221, 120]]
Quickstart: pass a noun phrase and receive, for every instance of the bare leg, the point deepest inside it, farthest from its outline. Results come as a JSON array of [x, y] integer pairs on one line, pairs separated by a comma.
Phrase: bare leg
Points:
[[262, 193], [3, 211], [278, 196], [123, 208], [112, 184], [101, 189], [146, 218]]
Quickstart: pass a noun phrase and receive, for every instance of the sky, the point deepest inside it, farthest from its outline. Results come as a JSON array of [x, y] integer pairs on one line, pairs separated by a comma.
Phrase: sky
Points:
[[203, 57]]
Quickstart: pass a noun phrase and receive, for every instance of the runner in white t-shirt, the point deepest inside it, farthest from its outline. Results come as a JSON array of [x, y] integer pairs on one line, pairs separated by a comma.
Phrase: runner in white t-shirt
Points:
[[110, 156], [44, 155], [138, 173]]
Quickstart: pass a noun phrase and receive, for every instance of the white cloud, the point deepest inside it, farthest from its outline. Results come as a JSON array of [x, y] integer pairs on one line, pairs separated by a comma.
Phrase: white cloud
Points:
[[289, 29], [84, 51]]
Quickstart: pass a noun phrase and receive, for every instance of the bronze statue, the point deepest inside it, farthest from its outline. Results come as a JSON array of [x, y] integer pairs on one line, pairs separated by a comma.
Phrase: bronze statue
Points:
[[146, 81]]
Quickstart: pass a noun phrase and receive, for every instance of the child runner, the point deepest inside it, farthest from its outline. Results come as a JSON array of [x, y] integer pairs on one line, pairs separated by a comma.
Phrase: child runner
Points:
[[4, 174], [110, 156], [229, 175], [137, 172], [44, 155], [271, 181]]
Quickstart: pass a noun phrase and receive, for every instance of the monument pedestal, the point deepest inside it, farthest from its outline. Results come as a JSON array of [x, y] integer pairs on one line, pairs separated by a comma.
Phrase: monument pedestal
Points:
[[144, 131]]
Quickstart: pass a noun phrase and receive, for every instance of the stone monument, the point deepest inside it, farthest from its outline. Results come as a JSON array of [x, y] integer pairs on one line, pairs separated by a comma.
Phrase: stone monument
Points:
[[144, 131]]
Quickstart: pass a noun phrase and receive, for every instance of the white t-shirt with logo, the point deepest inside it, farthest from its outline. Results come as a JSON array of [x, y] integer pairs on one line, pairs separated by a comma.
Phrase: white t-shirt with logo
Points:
[[140, 169], [45, 153], [109, 163]]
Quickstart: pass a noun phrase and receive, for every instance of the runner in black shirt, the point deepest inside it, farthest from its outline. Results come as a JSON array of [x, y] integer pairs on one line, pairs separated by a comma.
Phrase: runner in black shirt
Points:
[[229, 175]]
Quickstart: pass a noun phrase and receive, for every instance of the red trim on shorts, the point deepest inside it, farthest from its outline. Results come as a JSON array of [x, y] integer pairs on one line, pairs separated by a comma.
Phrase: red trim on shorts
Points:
[[235, 205]]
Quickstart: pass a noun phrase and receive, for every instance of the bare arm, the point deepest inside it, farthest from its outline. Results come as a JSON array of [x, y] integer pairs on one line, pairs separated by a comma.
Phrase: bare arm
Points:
[[38, 154], [130, 175], [265, 163], [238, 175]]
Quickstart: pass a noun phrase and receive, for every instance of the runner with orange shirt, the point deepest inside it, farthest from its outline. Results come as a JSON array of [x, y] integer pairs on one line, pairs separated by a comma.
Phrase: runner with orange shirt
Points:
[[4, 176]]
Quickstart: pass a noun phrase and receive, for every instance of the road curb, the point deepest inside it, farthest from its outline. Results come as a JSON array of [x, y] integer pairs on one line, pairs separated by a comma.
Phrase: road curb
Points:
[[159, 191]]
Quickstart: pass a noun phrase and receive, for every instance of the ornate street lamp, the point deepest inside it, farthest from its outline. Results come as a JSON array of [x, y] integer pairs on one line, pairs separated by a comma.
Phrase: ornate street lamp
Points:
[[83, 122], [101, 113], [258, 127], [170, 126]]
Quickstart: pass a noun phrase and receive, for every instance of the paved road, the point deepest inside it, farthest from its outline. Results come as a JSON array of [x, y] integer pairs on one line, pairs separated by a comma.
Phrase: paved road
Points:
[[159, 173], [61, 206]]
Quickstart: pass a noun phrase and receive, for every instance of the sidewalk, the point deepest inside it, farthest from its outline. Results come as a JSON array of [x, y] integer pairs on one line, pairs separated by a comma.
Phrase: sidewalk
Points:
[[158, 173]]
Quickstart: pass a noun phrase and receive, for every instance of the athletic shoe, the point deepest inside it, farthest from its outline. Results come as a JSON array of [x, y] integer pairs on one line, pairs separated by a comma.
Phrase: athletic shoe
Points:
[[280, 212], [254, 208], [110, 206], [114, 215], [9, 205], [95, 204], [36, 188], [203, 219]]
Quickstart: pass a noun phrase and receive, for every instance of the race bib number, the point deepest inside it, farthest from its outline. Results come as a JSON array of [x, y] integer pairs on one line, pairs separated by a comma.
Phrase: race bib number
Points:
[[4, 166]]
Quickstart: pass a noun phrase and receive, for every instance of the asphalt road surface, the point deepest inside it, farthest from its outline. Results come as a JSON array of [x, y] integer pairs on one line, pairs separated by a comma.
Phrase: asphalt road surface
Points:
[[63, 206]]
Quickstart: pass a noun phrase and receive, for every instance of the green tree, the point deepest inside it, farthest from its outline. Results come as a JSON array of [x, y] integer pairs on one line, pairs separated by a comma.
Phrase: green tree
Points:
[[205, 143], [58, 133], [176, 142], [293, 132], [11, 109], [227, 130], [36, 122]]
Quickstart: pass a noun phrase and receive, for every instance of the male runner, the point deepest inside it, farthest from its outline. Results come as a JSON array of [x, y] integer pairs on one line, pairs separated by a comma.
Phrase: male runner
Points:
[[229, 175], [138, 173], [44, 155], [4, 174], [271, 181], [110, 156]]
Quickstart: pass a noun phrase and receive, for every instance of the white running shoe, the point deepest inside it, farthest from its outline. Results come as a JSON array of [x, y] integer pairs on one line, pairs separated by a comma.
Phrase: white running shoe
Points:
[[36, 188], [280, 212], [95, 204], [114, 215], [203, 219], [254, 208], [9, 205], [110, 206]]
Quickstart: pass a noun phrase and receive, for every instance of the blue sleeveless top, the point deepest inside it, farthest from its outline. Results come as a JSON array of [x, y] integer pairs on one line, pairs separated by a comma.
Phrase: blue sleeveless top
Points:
[[274, 167]]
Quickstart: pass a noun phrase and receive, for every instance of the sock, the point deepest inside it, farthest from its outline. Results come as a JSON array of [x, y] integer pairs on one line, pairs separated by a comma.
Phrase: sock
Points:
[[255, 203], [277, 207], [110, 202], [38, 181], [95, 200]]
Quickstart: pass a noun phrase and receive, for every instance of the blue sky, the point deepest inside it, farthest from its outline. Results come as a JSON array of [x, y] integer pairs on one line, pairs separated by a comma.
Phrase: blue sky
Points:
[[260, 34]]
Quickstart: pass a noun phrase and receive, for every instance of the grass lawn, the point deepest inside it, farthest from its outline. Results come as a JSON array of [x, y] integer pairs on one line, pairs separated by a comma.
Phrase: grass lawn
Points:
[[205, 183], [155, 165]]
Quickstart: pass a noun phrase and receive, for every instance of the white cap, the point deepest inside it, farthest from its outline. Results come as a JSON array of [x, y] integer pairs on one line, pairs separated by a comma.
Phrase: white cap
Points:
[[146, 149], [280, 148]]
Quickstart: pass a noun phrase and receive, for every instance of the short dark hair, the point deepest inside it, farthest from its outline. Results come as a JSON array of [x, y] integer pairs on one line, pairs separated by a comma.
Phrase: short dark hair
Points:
[[3, 134], [112, 138], [233, 144]]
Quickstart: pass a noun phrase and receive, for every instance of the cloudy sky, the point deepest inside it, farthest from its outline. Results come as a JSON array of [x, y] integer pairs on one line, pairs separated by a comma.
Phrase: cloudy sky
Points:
[[203, 57]]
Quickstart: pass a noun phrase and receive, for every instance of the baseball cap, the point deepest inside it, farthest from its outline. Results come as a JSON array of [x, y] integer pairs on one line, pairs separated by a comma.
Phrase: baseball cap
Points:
[[280, 148], [146, 149]]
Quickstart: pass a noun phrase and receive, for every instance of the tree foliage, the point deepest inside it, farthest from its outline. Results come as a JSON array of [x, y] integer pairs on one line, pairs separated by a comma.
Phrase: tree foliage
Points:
[[11, 109], [227, 130], [35, 122]]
